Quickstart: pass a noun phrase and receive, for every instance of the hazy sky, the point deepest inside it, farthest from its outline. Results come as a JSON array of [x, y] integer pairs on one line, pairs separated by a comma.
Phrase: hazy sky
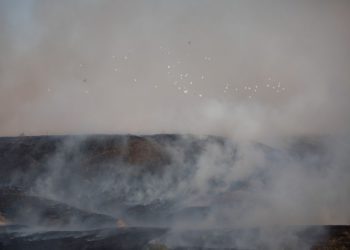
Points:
[[237, 68]]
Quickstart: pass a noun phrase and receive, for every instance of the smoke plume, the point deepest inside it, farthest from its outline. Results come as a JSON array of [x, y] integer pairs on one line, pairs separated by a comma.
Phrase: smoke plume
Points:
[[268, 72]]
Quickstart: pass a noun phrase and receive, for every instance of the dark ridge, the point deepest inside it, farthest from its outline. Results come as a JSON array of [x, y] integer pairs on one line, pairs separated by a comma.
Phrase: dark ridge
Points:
[[23, 159]]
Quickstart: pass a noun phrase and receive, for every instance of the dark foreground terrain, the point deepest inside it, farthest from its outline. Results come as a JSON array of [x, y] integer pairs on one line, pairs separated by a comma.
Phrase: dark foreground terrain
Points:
[[126, 192], [313, 237]]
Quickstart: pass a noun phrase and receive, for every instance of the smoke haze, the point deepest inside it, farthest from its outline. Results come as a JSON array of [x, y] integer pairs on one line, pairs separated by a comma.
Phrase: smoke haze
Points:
[[250, 71], [244, 69]]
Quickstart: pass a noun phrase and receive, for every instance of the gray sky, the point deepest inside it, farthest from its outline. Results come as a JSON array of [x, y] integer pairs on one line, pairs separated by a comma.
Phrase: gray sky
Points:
[[245, 69]]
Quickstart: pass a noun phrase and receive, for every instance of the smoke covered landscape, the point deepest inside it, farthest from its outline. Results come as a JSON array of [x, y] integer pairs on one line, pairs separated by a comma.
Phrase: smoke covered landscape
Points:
[[174, 125]]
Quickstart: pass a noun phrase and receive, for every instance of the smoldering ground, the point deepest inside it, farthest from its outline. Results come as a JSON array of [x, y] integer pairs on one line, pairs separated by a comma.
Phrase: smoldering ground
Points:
[[253, 72], [252, 195]]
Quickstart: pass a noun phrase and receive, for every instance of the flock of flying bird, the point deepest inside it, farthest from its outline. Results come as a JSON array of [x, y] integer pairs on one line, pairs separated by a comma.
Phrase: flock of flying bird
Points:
[[184, 82]]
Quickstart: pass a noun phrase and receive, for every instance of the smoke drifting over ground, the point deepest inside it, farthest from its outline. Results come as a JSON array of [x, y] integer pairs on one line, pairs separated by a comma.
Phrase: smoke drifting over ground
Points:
[[237, 185], [230, 68], [207, 191], [256, 73]]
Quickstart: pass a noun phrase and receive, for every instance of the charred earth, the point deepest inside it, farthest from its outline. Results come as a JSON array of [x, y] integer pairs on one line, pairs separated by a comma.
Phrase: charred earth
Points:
[[137, 192]]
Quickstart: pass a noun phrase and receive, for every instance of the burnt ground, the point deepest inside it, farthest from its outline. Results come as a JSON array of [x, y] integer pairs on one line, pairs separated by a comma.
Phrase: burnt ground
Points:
[[52, 195], [313, 237]]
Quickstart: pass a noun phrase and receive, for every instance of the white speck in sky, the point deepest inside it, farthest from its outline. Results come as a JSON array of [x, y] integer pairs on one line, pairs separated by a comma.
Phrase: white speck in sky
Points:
[[185, 91]]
